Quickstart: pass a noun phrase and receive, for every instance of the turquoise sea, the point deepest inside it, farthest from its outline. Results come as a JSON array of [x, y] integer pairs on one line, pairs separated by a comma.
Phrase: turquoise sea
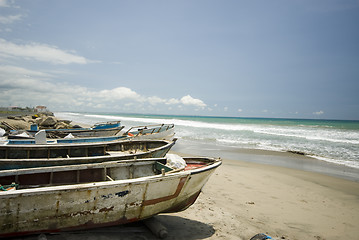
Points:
[[335, 141]]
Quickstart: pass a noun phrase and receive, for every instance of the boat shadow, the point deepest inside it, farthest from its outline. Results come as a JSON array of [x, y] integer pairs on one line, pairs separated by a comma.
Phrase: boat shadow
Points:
[[178, 228], [183, 228]]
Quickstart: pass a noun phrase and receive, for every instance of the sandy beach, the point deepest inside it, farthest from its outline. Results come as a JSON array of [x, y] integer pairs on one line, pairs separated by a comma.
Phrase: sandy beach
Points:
[[246, 196], [242, 199]]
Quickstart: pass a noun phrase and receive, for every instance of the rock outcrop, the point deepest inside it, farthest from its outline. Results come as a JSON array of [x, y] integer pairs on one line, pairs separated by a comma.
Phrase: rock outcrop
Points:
[[42, 120]]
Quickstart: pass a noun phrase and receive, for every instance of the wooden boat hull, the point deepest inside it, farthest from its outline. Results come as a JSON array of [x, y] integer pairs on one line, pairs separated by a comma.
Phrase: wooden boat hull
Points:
[[159, 131], [29, 156], [89, 205]]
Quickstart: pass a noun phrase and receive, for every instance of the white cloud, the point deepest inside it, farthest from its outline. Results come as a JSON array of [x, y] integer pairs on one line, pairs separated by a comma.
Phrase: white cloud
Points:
[[188, 100], [239, 110], [117, 94], [155, 100], [225, 109], [39, 52], [172, 101], [318, 113], [4, 3], [10, 19]]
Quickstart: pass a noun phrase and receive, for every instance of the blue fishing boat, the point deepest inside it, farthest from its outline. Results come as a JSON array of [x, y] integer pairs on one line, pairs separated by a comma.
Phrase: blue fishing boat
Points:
[[102, 129]]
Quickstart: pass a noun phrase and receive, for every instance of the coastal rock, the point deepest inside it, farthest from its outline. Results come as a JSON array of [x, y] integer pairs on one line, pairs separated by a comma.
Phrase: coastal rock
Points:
[[62, 125], [16, 124], [43, 120], [65, 121], [48, 122], [28, 119]]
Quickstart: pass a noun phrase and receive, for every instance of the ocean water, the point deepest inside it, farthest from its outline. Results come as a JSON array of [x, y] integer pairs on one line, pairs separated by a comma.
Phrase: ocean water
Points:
[[333, 141]]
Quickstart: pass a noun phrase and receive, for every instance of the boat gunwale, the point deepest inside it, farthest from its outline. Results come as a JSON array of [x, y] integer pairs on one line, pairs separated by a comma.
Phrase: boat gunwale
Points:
[[170, 126], [80, 144], [59, 168], [214, 163], [168, 145]]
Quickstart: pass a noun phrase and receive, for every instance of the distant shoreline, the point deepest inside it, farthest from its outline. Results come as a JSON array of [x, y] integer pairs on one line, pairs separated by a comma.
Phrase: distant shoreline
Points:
[[228, 117]]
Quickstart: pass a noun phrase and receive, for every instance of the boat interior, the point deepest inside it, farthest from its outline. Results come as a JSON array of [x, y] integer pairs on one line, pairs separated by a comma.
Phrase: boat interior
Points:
[[149, 129], [88, 173], [84, 173]]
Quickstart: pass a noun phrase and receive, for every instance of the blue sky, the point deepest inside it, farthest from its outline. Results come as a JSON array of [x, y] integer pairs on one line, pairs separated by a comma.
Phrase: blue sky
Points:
[[279, 58]]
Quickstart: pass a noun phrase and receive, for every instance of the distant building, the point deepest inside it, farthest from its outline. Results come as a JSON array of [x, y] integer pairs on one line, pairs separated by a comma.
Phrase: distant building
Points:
[[14, 108], [40, 109]]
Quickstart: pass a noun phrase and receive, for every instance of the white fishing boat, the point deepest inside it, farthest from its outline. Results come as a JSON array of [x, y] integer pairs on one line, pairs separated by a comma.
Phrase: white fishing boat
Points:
[[157, 131], [14, 156], [53, 199]]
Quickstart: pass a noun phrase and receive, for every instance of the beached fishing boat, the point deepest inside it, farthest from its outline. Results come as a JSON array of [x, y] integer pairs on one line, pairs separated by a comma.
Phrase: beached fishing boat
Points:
[[101, 129], [157, 131], [54, 199], [39, 155], [160, 131]]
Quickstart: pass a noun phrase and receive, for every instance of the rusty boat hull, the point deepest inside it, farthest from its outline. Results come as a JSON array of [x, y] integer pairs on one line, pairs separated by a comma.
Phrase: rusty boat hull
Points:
[[62, 198]]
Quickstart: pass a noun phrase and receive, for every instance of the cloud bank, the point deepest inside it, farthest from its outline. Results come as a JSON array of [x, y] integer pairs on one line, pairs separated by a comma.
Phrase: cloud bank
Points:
[[26, 87]]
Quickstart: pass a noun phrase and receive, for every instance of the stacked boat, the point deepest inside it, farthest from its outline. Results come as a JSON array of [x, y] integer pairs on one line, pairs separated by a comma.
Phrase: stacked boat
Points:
[[76, 182]]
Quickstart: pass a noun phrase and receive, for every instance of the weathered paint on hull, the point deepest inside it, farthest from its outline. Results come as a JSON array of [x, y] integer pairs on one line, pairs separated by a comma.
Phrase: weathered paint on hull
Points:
[[53, 209]]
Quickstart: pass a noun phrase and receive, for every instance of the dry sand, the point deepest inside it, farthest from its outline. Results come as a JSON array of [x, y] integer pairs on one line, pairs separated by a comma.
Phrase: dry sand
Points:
[[242, 199]]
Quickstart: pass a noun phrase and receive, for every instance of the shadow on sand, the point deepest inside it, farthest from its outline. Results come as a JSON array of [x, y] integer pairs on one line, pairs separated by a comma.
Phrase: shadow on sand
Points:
[[178, 228]]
